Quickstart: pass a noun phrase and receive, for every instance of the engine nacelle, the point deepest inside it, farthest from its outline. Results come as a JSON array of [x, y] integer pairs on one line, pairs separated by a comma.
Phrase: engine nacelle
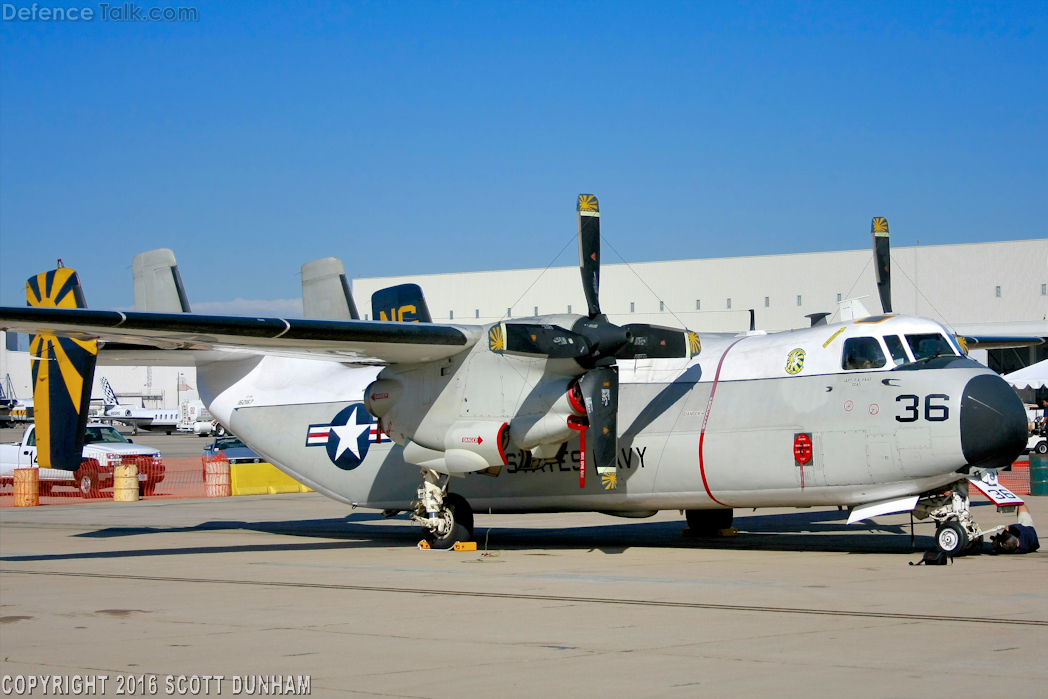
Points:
[[381, 395], [551, 428], [475, 445]]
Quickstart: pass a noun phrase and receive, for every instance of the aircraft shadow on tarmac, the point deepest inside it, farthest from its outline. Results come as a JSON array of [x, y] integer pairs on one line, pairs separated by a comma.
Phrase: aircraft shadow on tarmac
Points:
[[823, 531]]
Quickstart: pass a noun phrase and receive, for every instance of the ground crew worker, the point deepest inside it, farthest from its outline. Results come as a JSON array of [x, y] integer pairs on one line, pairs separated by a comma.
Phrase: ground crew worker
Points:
[[1020, 537]]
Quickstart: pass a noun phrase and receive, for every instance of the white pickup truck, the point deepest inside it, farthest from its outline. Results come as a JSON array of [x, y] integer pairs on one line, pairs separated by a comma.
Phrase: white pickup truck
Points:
[[104, 449]]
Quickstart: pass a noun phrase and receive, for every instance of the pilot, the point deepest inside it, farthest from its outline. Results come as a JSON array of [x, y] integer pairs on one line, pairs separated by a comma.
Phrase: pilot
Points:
[[1018, 538]]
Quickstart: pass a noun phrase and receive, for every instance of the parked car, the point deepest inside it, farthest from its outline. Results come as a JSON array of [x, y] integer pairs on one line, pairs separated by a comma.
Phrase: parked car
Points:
[[233, 449], [104, 450]]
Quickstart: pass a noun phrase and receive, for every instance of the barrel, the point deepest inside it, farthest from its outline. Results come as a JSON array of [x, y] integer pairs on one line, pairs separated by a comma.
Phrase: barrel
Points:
[[27, 487], [216, 478], [1038, 474], [125, 483]]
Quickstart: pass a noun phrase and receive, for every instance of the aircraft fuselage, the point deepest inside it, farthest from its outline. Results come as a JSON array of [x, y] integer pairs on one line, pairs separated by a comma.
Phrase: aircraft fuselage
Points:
[[752, 420]]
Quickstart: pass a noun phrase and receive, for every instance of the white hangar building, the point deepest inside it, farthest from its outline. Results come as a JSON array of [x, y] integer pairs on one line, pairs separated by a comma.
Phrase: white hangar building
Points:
[[966, 284]]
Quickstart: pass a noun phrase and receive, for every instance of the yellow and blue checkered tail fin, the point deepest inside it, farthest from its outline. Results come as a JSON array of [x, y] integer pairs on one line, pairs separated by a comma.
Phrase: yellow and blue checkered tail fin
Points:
[[63, 371]]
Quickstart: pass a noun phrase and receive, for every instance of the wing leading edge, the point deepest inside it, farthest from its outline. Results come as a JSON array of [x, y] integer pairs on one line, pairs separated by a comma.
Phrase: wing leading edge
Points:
[[349, 341]]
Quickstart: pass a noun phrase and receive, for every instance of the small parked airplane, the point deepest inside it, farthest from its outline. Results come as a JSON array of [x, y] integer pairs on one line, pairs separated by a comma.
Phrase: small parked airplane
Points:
[[142, 418], [880, 413]]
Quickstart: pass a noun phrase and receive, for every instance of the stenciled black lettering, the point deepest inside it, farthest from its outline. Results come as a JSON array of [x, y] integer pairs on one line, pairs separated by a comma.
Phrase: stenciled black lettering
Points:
[[640, 455]]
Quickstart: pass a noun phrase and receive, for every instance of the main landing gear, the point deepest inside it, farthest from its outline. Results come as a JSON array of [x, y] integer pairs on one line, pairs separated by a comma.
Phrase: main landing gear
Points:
[[957, 534], [446, 517]]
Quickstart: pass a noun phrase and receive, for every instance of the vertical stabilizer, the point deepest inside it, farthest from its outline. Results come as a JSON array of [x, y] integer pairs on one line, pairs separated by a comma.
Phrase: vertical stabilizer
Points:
[[108, 396], [63, 371], [404, 303], [158, 285], [325, 291]]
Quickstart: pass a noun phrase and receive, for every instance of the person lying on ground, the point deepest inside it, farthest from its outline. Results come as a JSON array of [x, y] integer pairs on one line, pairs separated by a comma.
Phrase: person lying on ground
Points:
[[1020, 537]]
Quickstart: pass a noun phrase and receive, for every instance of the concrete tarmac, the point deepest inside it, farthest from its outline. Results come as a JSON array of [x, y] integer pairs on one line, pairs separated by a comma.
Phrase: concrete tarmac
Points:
[[797, 605]]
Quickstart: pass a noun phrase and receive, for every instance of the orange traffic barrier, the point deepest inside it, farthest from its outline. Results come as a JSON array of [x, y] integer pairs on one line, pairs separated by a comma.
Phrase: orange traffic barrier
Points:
[[217, 483], [27, 487]]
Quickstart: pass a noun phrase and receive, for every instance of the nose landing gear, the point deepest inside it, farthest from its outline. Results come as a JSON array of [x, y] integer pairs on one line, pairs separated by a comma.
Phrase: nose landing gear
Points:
[[446, 517], [956, 533]]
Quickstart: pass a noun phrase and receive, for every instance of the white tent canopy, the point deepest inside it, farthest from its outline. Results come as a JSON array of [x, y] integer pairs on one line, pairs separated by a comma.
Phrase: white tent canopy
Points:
[[1033, 376]]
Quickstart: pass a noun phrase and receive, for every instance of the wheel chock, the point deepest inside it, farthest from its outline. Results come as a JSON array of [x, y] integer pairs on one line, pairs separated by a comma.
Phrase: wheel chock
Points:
[[424, 545], [730, 531], [465, 545]]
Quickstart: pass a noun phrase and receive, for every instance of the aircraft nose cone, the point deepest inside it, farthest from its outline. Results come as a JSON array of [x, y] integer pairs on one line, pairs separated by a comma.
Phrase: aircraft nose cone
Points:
[[993, 423]]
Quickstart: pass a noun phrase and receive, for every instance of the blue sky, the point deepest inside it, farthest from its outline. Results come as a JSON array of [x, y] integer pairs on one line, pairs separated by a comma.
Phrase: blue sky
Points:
[[417, 138]]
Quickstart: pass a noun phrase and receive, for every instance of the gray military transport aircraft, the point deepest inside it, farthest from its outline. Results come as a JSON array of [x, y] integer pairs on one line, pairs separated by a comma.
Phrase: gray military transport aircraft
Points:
[[559, 413]]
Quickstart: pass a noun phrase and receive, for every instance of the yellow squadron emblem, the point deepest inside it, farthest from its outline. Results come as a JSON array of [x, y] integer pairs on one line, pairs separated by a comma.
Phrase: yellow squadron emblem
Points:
[[795, 361], [496, 340], [588, 202], [694, 346]]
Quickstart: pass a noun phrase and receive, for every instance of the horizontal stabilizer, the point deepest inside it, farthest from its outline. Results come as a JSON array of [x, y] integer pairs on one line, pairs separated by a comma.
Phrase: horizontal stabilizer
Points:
[[349, 341]]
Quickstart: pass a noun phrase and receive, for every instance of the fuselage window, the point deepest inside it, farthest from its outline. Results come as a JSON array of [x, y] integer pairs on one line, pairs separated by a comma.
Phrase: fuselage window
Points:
[[898, 352], [862, 353], [930, 345]]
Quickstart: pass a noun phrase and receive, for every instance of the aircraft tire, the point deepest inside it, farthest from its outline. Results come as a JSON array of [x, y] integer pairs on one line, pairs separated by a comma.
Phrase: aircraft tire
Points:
[[951, 538], [708, 522], [974, 547], [461, 530]]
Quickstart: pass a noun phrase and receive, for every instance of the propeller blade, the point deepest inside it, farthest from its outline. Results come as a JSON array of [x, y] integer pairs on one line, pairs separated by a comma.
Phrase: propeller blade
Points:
[[550, 341], [589, 250], [882, 260], [600, 392], [657, 342]]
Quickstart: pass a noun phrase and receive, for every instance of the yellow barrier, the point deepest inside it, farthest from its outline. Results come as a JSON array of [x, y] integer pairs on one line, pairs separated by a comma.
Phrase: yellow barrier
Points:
[[263, 479], [125, 483]]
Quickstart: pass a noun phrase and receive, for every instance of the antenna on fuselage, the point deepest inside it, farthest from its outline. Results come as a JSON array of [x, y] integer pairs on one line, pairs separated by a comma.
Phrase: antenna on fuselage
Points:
[[818, 318]]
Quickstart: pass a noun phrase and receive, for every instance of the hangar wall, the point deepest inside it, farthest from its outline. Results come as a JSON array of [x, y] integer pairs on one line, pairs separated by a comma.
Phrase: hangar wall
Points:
[[138, 386], [955, 284]]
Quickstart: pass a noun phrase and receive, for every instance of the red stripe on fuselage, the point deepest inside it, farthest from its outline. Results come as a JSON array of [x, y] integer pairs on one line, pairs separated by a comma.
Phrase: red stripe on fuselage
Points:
[[706, 418]]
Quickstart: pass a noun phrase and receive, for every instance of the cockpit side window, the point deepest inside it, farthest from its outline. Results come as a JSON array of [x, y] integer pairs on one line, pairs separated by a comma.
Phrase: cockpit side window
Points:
[[930, 345], [898, 352], [862, 353]]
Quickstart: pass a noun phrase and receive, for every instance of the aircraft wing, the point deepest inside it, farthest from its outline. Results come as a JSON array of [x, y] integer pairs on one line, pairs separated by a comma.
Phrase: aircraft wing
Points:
[[1002, 335], [135, 336], [987, 342]]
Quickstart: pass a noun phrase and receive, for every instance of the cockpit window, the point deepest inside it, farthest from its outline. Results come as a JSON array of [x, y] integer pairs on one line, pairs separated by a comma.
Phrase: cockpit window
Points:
[[898, 352], [862, 353], [930, 345]]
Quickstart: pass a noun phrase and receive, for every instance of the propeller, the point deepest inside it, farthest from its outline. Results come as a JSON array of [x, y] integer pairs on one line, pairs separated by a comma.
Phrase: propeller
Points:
[[595, 343], [882, 260]]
